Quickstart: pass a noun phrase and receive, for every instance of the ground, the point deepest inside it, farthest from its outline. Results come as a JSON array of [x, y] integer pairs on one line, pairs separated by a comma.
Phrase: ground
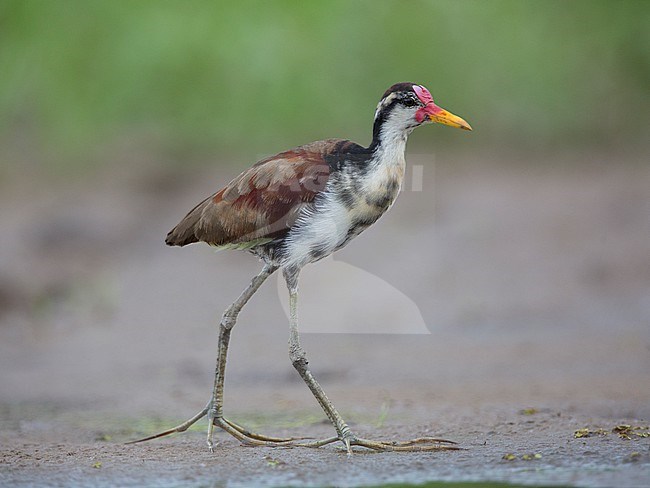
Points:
[[503, 303]]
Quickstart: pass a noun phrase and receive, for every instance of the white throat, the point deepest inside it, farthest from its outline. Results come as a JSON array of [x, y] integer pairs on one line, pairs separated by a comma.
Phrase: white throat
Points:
[[393, 136]]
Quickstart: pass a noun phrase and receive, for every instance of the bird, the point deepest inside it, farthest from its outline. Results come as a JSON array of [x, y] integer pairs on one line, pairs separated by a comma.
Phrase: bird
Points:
[[296, 208]]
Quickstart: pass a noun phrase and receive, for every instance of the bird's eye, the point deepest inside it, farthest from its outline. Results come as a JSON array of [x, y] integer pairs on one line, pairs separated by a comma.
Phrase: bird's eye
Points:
[[410, 100]]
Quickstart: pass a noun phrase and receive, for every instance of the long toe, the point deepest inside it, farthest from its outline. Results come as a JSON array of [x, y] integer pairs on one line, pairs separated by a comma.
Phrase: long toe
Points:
[[260, 437], [250, 438], [412, 445]]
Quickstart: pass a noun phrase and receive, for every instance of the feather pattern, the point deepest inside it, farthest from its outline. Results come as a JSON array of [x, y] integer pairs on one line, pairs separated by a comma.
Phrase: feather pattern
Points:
[[303, 204], [260, 204]]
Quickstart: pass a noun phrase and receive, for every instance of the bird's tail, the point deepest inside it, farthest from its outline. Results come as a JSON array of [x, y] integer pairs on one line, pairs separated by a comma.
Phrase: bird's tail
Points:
[[180, 237], [185, 231]]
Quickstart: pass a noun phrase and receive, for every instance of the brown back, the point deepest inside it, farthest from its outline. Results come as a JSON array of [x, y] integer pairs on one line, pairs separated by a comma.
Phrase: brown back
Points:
[[263, 202]]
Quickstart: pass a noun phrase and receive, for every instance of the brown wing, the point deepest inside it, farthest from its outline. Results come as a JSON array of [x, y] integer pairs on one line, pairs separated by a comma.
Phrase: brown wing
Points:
[[261, 203]]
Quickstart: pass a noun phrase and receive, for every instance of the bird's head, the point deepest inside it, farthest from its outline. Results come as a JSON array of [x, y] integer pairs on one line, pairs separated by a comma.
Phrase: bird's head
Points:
[[405, 106]]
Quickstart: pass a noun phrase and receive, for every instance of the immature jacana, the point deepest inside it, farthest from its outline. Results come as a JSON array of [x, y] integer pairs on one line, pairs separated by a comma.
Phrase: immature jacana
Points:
[[295, 208]]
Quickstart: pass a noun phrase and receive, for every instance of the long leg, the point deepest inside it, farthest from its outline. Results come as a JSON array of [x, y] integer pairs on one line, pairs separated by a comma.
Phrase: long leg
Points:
[[299, 360], [214, 408]]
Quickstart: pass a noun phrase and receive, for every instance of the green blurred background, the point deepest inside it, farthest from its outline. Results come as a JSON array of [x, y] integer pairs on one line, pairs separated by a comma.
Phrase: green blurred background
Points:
[[83, 81]]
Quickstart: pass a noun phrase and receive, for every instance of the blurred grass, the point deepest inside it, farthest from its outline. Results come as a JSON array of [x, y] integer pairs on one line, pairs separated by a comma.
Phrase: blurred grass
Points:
[[82, 79]]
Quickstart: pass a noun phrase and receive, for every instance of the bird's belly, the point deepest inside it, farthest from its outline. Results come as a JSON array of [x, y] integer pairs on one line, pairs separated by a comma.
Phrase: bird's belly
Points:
[[331, 224], [317, 233]]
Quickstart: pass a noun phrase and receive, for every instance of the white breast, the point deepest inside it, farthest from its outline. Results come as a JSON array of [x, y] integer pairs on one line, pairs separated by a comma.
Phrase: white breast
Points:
[[353, 200], [318, 232]]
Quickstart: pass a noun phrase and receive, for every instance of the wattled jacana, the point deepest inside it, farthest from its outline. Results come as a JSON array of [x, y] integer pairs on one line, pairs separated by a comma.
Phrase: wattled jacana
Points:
[[296, 208]]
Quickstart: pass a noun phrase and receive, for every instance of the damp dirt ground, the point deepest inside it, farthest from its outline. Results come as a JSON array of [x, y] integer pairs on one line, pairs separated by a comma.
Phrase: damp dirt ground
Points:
[[503, 304]]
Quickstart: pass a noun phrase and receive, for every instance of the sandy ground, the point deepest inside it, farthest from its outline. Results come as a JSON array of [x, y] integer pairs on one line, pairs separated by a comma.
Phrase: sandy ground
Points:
[[503, 306]]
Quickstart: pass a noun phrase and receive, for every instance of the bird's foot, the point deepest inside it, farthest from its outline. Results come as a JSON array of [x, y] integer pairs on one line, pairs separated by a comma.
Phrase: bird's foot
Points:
[[349, 440], [240, 433], [413, 445], [249, 438]]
